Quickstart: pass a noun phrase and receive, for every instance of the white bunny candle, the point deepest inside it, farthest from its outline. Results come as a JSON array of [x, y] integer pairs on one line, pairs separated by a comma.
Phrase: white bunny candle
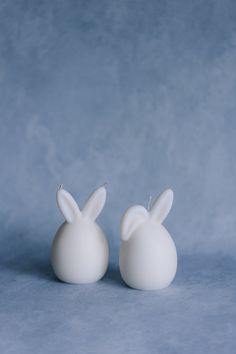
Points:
[[80, 249], [148, 258]]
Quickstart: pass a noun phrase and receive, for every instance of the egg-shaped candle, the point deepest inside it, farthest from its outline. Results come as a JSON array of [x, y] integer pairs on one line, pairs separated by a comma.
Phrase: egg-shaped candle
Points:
[[80, 249], [148, 258]]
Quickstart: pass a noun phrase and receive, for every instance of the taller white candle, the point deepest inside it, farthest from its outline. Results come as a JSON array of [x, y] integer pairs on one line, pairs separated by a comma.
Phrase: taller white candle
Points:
[[80, 249]]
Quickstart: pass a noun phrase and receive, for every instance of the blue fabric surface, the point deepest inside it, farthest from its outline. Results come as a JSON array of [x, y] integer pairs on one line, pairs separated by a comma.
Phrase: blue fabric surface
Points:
[[39, 314], [140, 94]]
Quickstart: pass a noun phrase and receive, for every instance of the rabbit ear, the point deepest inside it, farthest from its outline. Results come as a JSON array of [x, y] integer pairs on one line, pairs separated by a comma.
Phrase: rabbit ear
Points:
[[162, 205], [133, 217], [95, 203], [67, 205]]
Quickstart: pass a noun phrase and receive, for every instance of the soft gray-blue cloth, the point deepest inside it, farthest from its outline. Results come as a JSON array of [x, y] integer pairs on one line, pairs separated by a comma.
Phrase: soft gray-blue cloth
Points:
[[39, 314], [140, 94]]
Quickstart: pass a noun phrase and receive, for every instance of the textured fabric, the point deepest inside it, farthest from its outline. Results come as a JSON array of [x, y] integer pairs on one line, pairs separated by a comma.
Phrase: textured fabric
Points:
[[139, 94], [39, 314]]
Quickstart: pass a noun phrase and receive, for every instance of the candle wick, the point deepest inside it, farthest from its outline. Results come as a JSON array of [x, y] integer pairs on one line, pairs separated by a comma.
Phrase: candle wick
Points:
[[149, 203], [61, 186], [105, 185]]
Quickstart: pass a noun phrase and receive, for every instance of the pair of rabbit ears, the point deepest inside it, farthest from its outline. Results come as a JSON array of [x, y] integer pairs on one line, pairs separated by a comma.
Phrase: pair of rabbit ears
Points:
[[92, 208], [137, 214]]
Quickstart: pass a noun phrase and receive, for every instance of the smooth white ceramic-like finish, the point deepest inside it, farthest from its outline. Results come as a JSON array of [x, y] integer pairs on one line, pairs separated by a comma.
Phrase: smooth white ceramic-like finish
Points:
[[80, 250], [148, 258]]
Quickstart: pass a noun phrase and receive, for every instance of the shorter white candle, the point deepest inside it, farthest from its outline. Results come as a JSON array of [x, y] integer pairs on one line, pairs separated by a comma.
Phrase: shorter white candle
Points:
[[148, 258], [80, 249]]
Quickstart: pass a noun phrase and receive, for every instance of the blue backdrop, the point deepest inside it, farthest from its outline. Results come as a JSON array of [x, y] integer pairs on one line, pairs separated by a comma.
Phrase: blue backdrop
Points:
[[142, 95]]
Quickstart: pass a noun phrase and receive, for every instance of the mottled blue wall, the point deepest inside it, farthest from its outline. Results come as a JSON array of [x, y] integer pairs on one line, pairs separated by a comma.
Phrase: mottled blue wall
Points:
[[141, 94]]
